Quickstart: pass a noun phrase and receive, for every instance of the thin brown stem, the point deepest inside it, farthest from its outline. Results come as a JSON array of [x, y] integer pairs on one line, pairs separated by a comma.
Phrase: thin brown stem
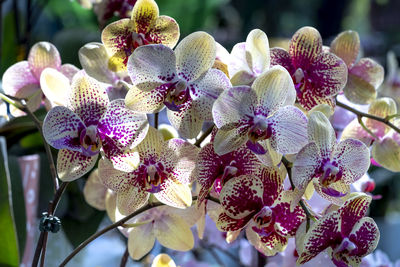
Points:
[[38, 250], [370, 116], [44, 246], [204, 136], [124, 258], [156, 120]]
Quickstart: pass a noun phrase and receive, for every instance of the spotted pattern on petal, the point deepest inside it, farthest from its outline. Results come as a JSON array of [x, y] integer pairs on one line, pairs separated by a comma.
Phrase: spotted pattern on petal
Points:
[[280, 56], [305, 47], [353, 210], [242, 196], [268, 245], [365, 235], [272, 179], [226, 223], [72, 165], [165, 30], [186, 121], [88, 100], [144, 14], [61, 128]]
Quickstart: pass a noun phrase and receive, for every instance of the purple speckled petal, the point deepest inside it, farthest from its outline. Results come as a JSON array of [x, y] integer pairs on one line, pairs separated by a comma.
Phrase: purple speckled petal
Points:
[[242, 196], [353, 159], [289, 130], [131, 200], [352, 211], [365, 235], [174, 194], [72, 165], [308, 160], [195, 55], [280, 56], [234, 106], [88, 99], [152, 64], [61, 128], [334, 192], [117, 181], [69, 71], [205, 90], [308, 99], [328, 74], [272, 179], [286, 221], [272, 88], [19, 81], [305, 47], [320, 236], [126, 127], [226, 223], [269, 244], [368, 70], [43, 55], [147, 101], [165, 30], [186, 121], [321, 132], [227, 141]]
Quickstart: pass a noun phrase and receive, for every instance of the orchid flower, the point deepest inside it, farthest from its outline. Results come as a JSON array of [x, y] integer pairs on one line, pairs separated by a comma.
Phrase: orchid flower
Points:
[[165, 170], [261, 118], [317, 75], [145, 26], [249, 59], [364, 75], [260, 205], [182, 80], [385, 141], [23, 79], [94, 60], [94, 191], [89, 124], [346, 233], [334, 166], [213, 171]]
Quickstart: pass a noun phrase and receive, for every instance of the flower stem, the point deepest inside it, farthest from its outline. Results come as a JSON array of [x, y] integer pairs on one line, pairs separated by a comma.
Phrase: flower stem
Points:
[[370, 116], [204, 136], [124, 258], [156, 120]]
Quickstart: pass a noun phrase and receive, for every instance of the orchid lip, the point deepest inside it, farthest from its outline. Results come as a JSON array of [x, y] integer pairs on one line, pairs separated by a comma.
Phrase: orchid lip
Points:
[[90, 142], [255, 147], [155, 176], [345, 245], [331, 173], [264, 217]]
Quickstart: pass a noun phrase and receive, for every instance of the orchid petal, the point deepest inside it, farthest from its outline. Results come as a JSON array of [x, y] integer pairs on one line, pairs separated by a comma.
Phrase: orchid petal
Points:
[[225, 223], [321, 132], [94, 60], [163, 260], [69, 71], [195, 54], [88, 99], [289, 127], [205, 90], [356, 131], [55, 86], [117, 39], [126, 127], [141, 241], [272, 180], [186, 121], [151, 101], [271, 157], [281, 57], [308, 99], [305, 166], [238, 189], [233, 105], [165, 30], [61, 128], [94, 191], [369, 70], [227, 141], [352, 157], [174, 233], [381, 107], [19, 81], [319, 237], [131, 200], [272, 88], [116, 180], [329, 75], [268, 245], [72, 165], [144, 15], [175, 194], [43, 55], [387, 153], [365, 235], [257, 51], [305, 47], [334, 193], [346, 46]]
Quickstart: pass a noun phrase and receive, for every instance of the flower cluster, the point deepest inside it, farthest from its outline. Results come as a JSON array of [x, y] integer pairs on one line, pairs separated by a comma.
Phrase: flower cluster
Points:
[[269, 109]]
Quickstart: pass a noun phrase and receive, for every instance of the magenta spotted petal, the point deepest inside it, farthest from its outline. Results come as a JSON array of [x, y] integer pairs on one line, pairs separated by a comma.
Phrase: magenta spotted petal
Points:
[[72, 165]]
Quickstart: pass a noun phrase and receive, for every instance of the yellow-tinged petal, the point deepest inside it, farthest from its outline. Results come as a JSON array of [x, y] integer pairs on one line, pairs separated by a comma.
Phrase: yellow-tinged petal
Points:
[[324, 108], [144, 15], [43, 55], [94, 191], [381, 107], [195, 54], [141, 240], [232, 236], [55, 86], [175, 194], [131, 200], [152, 144], [257, 51], [305, 47], [227, 141], [167, 131], [166, 31], [269, 245], [321, 132], [174, 233], [309, 191], [358, 90], [387, 153], [346, 45], [111, 204], [163, 260]]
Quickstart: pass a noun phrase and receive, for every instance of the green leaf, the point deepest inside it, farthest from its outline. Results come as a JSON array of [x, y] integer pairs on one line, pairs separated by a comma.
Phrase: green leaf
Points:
[[9, 255]]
